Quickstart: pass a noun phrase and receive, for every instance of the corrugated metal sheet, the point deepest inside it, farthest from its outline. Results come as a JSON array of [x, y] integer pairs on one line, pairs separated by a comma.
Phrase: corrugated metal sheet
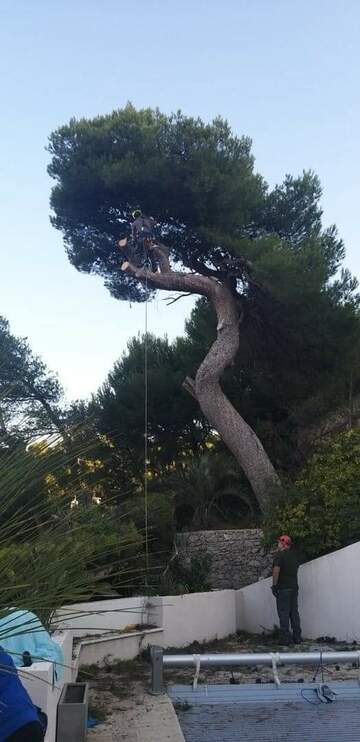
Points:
[[245, 713]]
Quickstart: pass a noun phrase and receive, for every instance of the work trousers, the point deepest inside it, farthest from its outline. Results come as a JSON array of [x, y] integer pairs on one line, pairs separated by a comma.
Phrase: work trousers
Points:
[[288, 612]]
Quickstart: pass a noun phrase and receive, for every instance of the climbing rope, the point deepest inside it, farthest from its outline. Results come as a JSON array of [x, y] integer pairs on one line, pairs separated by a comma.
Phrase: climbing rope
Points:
[[146, 413]]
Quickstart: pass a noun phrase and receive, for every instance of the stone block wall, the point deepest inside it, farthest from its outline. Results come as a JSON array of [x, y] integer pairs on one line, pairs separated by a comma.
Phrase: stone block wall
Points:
[[237, 556]]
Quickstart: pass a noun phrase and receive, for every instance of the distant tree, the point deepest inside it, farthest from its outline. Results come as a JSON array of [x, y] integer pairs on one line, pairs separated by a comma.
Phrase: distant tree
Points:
[[228, 238], [30, 395], [175, 427]]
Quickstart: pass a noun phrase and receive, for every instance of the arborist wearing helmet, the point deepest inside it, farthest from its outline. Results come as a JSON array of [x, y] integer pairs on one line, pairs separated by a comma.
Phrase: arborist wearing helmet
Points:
[[142, 228], [285, 589], [142, 237]]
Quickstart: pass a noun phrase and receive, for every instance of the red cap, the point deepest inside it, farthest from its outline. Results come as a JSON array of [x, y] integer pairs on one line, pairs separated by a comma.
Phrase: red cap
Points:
[[286, 540]]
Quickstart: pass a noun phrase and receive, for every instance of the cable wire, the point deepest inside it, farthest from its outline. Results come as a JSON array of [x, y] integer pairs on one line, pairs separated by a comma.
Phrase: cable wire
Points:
[[146, 421]]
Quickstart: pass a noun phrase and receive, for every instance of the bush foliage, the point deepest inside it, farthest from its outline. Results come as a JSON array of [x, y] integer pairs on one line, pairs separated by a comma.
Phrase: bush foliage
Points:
[[321, 511]]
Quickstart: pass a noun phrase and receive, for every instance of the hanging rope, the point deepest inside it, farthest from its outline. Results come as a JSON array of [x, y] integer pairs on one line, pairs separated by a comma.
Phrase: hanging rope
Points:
[[146, 434]]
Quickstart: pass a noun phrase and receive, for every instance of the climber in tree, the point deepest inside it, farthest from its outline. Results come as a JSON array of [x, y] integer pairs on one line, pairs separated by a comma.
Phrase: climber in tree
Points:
[[142, 228], [142, 236]]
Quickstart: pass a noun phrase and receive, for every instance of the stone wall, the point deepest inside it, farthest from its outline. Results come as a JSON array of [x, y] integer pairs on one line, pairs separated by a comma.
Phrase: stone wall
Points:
[[237, 556]]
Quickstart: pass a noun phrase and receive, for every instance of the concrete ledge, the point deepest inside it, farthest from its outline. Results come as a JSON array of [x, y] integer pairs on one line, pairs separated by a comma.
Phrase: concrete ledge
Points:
[[117, 646]]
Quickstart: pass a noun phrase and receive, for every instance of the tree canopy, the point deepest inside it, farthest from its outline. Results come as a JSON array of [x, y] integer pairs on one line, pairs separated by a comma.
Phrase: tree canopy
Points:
[[261, 257], [198, 181]]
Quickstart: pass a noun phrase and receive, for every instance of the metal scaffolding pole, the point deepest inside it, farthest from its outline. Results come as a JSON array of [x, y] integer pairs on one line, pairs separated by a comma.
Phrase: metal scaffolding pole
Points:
[[253, 658], [161, 661]]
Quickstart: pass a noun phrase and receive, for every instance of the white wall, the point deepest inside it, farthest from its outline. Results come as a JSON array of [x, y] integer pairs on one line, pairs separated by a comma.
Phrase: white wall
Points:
[[38, 680], [65, 640], [102, 615], [196, 617], [124, 647], [329, 598], [181, 618], [184, 618], [44, 689]]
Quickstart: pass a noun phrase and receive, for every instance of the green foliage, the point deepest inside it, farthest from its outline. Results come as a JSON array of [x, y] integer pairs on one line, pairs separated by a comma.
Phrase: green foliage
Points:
[[217, 217], [175, 426], [51, 555], [209, 490], [190, 176], [29, 393], [198, 181], [295, 363], [194, 578], [160, 519], [322, 511]]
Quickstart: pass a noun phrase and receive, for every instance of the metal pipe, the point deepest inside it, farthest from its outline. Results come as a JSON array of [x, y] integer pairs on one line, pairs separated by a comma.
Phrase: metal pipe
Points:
[[270, 659], [251, 658]]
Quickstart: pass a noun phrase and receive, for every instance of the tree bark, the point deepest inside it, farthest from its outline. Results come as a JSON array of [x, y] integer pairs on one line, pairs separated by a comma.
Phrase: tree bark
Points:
[[235, 432]]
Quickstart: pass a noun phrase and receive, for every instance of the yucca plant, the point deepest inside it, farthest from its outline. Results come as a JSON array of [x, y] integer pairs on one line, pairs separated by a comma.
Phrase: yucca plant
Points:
[[52, 555]]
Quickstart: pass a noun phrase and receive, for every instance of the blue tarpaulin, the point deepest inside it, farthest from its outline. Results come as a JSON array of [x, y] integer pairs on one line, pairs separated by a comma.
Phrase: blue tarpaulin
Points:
[[21, 631]]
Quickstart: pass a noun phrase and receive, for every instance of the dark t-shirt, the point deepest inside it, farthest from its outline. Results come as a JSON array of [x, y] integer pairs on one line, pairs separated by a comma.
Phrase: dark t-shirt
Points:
[[288, 562], [142, 225]]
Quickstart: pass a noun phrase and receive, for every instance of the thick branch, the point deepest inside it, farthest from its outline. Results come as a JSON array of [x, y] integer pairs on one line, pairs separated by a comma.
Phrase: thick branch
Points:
[[172, 281]]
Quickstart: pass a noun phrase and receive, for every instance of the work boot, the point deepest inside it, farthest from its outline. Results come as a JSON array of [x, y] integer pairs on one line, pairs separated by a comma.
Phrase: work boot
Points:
[[284, 639]]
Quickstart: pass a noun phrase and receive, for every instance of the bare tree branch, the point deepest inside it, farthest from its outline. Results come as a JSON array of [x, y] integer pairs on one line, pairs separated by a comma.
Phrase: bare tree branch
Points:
[[176, 298]]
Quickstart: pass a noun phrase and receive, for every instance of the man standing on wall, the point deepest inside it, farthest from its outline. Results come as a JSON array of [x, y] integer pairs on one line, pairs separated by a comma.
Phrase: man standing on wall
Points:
[[285, 589]]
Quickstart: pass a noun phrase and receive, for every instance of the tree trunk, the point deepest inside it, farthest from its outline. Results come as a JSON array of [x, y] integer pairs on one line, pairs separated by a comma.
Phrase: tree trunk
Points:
[[53, 417], [235, 432]]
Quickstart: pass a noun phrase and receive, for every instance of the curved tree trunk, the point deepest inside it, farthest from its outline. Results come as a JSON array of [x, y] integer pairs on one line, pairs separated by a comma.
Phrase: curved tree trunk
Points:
[[235, 432]]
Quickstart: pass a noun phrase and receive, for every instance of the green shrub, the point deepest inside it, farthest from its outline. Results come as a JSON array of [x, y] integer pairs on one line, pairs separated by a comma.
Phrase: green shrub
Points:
[[194, 578], [321, 512]]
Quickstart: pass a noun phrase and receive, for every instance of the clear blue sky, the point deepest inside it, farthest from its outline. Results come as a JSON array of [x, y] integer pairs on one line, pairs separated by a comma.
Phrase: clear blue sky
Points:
[[285, 73]]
